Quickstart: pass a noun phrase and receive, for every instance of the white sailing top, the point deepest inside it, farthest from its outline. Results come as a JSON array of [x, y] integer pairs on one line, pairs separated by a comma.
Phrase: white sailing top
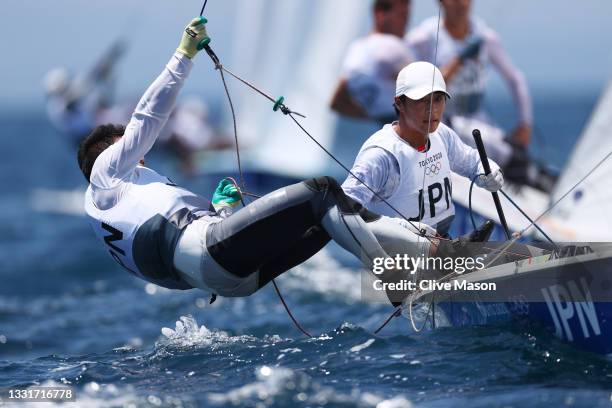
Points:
[[370, 68], [418, 184], [468, 85], [136, 212]]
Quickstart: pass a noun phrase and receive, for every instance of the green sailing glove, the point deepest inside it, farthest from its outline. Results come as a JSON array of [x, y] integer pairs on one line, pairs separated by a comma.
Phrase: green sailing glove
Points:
[[226, 195], [194, 37]]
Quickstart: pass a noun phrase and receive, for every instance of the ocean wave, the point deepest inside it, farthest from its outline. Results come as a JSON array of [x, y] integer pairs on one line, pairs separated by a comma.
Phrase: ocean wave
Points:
[[279, 386]]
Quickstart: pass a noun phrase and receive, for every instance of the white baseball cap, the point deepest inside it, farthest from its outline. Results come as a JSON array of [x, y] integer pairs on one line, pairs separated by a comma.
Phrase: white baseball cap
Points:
[[419, 79]]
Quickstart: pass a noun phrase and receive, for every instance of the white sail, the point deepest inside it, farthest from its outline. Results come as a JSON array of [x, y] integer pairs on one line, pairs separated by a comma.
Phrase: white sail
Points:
[[586, 213], [293, 49]]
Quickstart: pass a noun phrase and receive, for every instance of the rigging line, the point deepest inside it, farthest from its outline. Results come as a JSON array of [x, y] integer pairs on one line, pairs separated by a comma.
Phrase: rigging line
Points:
[[246, 193], [528, 218], [259, 91], [229, 98], [433, 80], [253, 87], [297, 324], [396, 312], [203, 7], [231, 104], [511, 202]]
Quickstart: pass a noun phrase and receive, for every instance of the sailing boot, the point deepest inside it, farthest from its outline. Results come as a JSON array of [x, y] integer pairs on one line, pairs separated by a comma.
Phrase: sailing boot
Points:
[[482, 233], [456, 248]]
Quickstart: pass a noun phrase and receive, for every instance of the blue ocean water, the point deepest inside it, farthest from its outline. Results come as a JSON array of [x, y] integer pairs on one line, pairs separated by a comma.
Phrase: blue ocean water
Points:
[[69, 315]]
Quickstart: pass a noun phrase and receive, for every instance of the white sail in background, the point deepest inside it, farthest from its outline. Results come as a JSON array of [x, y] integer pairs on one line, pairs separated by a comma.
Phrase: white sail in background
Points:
[[293, 49], [586, 213], [259, 29]]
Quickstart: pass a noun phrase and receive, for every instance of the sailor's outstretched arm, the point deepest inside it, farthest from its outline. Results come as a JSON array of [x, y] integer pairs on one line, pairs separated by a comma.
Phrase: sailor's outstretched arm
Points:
[[148, 119], [520, 91], [152, 111], [515, 79]]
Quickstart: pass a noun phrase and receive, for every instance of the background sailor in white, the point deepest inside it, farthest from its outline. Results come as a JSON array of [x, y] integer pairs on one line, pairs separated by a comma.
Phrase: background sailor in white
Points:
[[372, 63], [466, 46], [408, 162], [76, 104]]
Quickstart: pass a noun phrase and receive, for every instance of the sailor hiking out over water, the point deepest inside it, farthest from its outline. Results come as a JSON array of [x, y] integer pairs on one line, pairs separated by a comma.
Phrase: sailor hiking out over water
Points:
[[408, 163], [177, 239]]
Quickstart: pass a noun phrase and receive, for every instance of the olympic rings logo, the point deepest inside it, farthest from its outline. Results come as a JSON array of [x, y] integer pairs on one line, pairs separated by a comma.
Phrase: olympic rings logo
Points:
[[433, 169]]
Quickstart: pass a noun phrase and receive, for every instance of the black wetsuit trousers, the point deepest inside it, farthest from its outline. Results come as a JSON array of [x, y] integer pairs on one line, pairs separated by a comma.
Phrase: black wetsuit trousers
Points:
[[280, 230]]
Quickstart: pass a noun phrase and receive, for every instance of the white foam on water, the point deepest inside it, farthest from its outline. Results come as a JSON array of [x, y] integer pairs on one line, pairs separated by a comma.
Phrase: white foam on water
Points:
[[68, 202], [282, 386], [395, 402], [187, 333], [291, 350], [362, 346], [64, 367]]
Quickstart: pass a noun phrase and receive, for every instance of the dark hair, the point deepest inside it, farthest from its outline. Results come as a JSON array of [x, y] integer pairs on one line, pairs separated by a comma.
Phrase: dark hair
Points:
[[95, 143], [402, 99], [385, 5]]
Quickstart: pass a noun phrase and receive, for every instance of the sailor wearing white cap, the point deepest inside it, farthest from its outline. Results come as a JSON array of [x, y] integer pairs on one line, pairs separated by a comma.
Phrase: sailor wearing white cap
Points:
[[409, 162]]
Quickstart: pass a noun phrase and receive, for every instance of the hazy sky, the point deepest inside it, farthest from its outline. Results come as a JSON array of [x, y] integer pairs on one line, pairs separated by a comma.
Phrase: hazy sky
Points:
[[559, 44]]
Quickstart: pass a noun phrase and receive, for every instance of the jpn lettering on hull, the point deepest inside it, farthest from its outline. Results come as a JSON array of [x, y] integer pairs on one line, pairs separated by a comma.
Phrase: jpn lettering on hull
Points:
[[563, 310]]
